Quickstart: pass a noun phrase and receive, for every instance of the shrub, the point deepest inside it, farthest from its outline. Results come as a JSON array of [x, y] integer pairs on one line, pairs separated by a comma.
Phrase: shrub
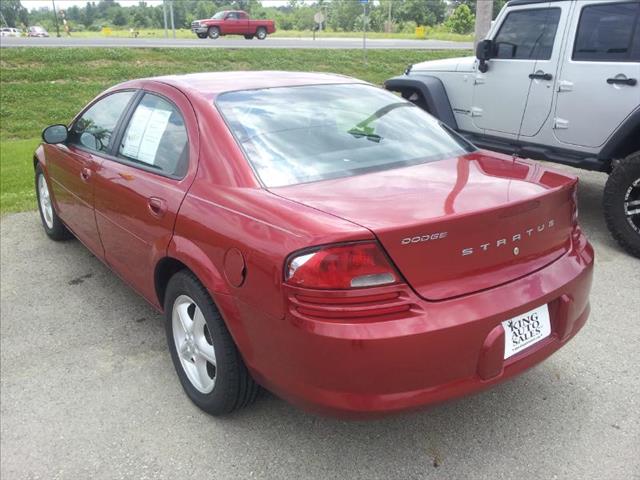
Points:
[[461, 20]]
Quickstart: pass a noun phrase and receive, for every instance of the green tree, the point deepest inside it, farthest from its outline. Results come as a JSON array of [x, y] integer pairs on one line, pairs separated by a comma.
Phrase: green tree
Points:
[[89, 14], [119, 18], [461, 20], [343, 14], [14, 13], [423, 12]]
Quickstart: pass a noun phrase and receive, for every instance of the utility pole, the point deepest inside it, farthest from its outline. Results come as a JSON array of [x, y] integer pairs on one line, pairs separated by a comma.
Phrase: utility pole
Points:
[[484, 15], [173, 27], [364, 29], [55, 18], [164, 13]]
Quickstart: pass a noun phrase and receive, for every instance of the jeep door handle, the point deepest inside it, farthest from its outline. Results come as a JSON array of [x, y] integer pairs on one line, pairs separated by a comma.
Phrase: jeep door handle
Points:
[[540, 76], [622, 81]]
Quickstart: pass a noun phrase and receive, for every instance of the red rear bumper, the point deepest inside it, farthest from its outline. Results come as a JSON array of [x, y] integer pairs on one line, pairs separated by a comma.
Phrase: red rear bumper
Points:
[[415, 353]]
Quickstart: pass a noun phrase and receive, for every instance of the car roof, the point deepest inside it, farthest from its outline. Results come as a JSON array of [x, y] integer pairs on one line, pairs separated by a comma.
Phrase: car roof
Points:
[[212, 84]]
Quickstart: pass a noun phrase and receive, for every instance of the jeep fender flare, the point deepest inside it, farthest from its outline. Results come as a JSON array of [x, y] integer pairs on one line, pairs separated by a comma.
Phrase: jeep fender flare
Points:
[[432, 91], [624, 141]]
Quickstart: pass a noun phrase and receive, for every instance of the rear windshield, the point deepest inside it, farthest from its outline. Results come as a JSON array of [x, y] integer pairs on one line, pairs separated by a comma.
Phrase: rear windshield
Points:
[[303, 134]]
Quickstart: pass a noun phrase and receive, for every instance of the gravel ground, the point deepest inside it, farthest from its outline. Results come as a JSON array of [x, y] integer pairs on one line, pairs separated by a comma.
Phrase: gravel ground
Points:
[[88, 390]]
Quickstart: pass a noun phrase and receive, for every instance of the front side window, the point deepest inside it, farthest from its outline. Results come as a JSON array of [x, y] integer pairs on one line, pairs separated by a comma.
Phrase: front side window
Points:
[[94, 128], [608, 32], [302, 134], [527, 34], [232, 16], [156, 137]]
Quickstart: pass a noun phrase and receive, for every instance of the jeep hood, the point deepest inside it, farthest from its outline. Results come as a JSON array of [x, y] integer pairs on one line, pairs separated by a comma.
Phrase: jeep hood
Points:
[[458, 64]]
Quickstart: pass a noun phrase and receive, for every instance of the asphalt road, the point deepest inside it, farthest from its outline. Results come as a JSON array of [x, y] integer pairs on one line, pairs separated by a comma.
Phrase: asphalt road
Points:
[[233, 42], [88, 391]]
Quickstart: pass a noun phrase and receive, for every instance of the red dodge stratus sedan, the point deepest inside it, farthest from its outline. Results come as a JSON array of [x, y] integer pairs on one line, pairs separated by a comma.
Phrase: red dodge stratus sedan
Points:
[[318, 236]]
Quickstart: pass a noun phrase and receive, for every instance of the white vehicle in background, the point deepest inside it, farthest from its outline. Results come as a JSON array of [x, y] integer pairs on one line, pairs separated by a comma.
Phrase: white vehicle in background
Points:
[[10, 32], [556, 81]]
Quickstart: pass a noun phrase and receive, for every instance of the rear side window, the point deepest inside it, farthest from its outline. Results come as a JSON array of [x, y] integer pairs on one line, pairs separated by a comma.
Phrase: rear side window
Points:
[[94, 128], [527, 34], [608, 33], [156, 137]]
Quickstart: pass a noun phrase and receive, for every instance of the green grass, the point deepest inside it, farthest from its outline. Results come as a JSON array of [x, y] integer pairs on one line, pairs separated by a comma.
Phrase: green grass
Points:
[[433, 33], [16, 175], [42, 86]]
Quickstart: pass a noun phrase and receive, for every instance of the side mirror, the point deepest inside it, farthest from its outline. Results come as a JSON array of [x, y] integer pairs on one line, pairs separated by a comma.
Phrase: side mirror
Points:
[[484, 50], [55, 134]]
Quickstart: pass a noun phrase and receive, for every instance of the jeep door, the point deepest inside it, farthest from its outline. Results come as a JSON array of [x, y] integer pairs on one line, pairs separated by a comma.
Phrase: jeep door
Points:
[[500, 94], [548, 54], [139, 189], [599, 84]]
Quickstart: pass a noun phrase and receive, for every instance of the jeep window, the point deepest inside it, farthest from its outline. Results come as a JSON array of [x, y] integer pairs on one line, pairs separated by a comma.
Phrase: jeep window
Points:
[[608, 33], [527, 34], [302, 134]]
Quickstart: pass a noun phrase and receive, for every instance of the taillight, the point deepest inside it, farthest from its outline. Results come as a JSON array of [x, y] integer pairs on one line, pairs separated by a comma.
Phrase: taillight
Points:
[[343, 266]]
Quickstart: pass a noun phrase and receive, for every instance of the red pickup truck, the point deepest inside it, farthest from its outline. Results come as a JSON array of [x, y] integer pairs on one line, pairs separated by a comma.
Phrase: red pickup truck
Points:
[[232, 22]]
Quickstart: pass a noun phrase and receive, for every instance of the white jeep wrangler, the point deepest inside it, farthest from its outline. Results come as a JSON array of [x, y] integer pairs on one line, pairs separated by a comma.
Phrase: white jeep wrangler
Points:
[[556, 81]]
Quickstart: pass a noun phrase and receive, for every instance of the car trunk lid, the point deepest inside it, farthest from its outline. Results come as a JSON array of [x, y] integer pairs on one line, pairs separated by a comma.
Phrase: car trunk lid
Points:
[[456, 226]]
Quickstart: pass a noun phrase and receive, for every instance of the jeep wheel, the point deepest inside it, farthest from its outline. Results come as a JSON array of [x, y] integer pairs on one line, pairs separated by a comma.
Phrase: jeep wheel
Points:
[[201, 35], [622, 203], [248, 37], [261, 33], [214, 32]]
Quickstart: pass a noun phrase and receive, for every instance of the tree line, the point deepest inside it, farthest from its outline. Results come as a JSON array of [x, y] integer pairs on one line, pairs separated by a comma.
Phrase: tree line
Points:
[[340, 15]]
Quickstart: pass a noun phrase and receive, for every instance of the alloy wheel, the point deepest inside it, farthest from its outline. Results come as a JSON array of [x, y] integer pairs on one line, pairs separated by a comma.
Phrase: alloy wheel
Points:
[[194, 344], [44, 200], [632, 205]]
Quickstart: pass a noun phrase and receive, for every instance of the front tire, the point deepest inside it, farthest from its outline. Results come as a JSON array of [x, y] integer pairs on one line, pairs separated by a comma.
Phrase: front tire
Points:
[[213, 32], [204, 355], [201, 35], [261, 33], [53, 226], [621, 203]]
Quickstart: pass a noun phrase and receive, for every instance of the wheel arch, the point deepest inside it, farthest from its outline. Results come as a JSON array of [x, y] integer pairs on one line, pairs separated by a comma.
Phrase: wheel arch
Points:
[[184, 254], [624, 141], [434, 96]]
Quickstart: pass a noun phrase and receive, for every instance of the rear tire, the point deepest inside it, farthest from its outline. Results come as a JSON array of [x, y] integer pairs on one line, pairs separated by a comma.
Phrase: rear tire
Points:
[[213, 32], [248, 37], [218, 387], [53, 226], [621, 202], [261, 33]]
